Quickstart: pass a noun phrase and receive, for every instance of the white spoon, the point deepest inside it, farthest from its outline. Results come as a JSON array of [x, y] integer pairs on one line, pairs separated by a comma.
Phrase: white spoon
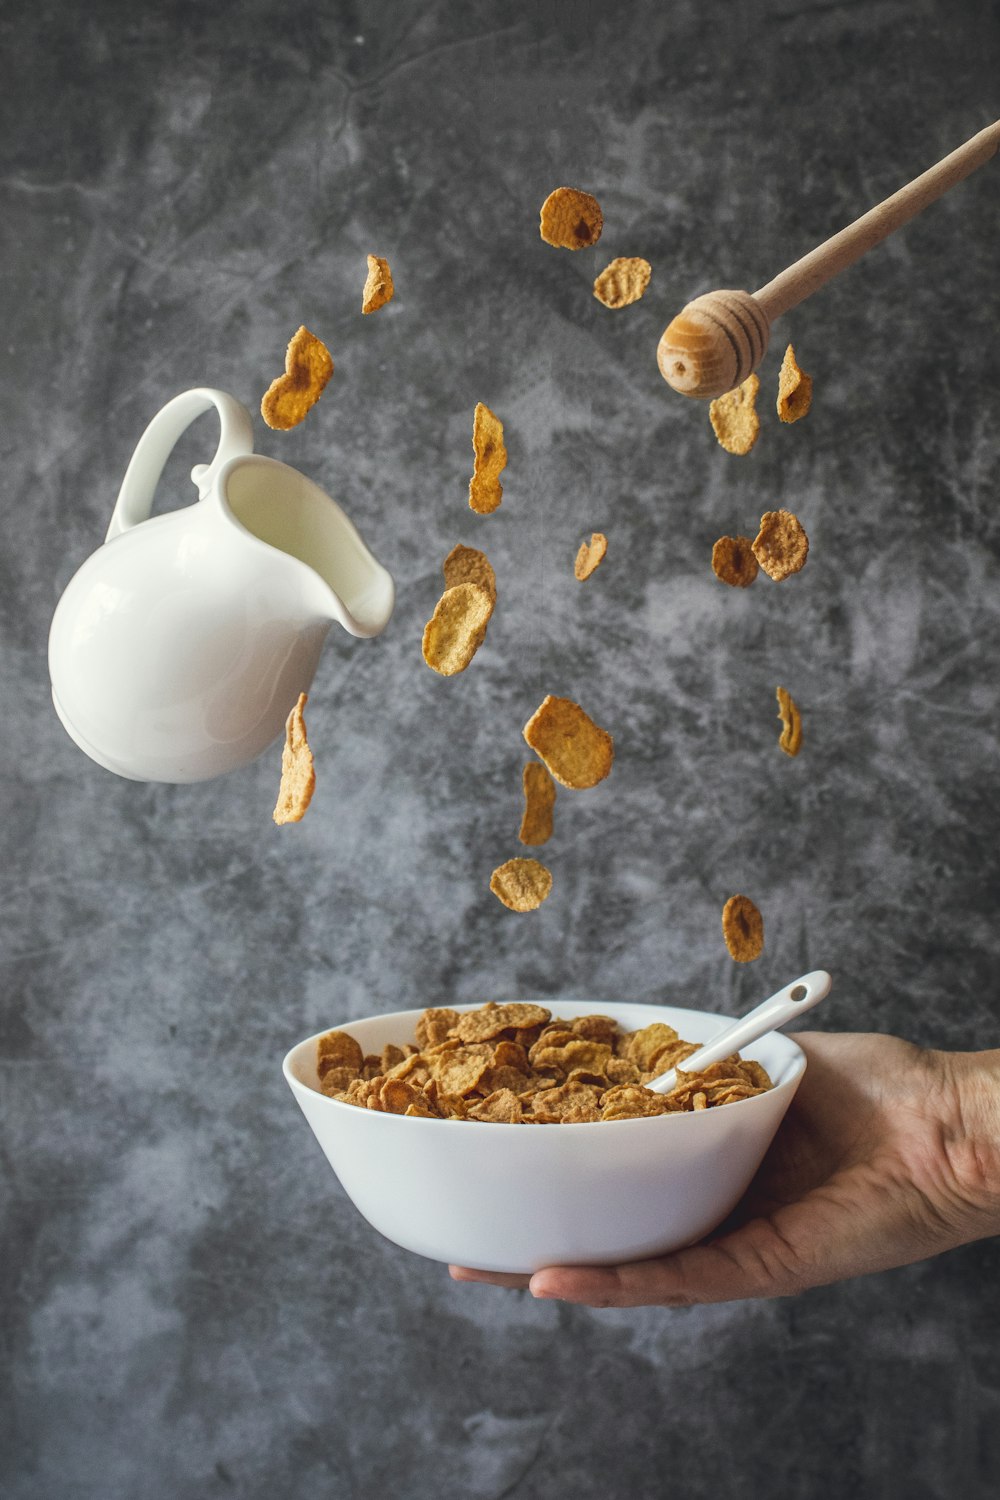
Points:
[[801, 995]]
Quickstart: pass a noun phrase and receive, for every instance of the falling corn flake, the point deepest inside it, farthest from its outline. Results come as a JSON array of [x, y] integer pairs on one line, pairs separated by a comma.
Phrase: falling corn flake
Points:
[[308, 367], [794, 389], [469, 565], [623, 281], [781, 545], [539, 804], [298, 777], [521, 884], [590, 555], [571, 219], [576, 750], [455, 631], [734, 417], [485, 489], [378, 285], [733, 561], [790, 739], [743, 929]]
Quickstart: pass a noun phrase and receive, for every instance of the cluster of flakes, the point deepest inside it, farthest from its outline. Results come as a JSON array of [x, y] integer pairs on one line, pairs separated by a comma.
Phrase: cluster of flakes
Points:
[[734, 416], [457, 628], [286, 403], [513, 1064]]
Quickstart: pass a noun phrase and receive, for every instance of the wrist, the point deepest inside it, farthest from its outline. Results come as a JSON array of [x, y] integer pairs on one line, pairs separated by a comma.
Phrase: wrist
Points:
[[971, 1131]]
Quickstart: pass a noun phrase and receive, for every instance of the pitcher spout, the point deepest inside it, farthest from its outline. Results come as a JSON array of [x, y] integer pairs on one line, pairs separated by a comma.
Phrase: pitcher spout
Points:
[[281, 509]]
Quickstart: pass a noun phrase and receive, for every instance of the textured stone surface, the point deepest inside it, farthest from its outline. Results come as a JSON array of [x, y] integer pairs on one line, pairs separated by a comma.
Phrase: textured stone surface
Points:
[[191, 1306]]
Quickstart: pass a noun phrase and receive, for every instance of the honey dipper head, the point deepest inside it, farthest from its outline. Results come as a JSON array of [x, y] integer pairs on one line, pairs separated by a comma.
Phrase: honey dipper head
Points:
[[713, 344]]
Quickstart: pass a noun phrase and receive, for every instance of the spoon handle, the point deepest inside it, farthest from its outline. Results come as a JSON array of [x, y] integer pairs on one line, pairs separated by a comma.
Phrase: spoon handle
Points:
[[801, 995], [799, 281]]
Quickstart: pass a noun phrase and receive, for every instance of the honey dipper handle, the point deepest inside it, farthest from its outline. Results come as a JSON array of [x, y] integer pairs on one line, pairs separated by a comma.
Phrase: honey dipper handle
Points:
[[799, 281]]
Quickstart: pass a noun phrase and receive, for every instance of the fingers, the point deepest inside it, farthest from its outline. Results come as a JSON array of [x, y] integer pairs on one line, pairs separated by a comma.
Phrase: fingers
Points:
[[866, 1218], [494, 1278], [830, 1236], [708, 1273], [752, 1262], [804, 1245], [705, 1274]]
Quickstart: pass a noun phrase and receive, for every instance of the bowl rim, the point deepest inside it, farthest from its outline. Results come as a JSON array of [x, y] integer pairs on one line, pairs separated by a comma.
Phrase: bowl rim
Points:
[[797, 1067]]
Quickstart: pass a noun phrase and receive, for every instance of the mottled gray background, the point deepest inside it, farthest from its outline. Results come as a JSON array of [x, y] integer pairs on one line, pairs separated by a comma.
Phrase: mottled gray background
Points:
[[191, 1308]]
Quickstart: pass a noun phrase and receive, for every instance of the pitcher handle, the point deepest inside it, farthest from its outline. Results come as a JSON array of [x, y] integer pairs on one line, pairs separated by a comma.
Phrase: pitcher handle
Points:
[[135, 498]]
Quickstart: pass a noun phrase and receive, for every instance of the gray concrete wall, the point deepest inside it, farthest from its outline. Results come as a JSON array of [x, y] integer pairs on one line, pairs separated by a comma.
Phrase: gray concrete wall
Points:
[[191, 1307]]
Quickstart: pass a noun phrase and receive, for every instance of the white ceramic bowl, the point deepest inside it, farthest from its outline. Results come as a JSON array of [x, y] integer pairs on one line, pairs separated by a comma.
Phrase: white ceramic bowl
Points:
[[519, 1197]]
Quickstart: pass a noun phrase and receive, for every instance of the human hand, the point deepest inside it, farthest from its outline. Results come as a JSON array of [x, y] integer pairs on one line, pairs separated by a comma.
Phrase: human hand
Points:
[[888, 1154]]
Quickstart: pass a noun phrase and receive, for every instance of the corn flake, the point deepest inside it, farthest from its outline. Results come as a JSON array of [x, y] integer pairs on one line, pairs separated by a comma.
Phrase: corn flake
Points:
[[397, 1096], [576, 1054], [335, 1080], [733, 561], [790, 739], [337, 1049], [781, 545], [459, 1072], [521, 884], [502, 1107], [422, 1110], [571, 219], [794, 389], [743, 929], [539, 803], [734, 417], [662, 1059], [298, 776], [456, 630], [595, 1028], [469, 565], [434, 1026], [491, 1020], [590, 555], [378, 285], [568, 1102], [576, 750], [489, 462], [622, 282], [642, 1045], [629, 1101], [308, 367]]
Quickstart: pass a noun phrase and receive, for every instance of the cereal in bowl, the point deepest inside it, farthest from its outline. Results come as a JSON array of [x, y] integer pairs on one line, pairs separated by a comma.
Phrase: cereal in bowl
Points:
[[516, 1064]]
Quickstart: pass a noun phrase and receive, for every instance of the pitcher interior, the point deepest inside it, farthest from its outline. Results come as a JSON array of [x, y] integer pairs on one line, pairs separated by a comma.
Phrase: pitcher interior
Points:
[[285, 509]]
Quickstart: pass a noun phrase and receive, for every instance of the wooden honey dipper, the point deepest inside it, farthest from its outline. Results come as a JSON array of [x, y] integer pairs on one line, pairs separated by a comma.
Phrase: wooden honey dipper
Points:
[[721, 337]]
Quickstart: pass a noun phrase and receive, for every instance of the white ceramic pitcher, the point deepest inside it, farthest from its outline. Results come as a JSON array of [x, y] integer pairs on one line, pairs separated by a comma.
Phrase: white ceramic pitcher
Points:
[[180, 646]]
